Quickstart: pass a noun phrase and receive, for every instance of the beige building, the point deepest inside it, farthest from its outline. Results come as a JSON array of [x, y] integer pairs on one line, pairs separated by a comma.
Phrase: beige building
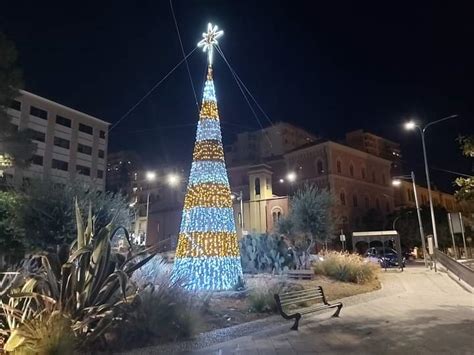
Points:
[[70, 144], [405, 197], [257, 146]]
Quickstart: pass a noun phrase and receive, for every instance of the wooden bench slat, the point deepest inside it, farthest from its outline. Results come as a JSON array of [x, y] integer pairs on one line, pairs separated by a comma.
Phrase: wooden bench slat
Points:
[[300, 300], [305, 294], [300, 291]]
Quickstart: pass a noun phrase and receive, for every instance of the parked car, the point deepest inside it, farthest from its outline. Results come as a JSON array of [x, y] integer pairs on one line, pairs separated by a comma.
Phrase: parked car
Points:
[[386, 258]]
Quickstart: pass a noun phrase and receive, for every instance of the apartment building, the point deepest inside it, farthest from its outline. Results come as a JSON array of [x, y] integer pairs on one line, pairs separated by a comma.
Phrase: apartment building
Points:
[[71, 145], [275, 140]]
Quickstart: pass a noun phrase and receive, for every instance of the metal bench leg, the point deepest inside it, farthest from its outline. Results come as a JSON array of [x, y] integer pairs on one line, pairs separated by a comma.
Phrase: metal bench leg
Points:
[[336, 314], [297, 320]]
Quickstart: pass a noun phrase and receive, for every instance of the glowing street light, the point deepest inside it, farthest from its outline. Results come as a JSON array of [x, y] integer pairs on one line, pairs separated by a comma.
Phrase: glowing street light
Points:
[[282, 181], [291, 176], [150, 176], [410, 126], [173, 179], [396, 182]]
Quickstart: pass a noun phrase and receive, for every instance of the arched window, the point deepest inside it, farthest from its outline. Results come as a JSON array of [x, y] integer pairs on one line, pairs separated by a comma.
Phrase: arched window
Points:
[[383, 179], [373, 176], [257, 186], [339, 166], [342, 196], [362, 172], [278, 215], [319, 167], [351, 170], [274, 217], [377, 203], [354, 200]]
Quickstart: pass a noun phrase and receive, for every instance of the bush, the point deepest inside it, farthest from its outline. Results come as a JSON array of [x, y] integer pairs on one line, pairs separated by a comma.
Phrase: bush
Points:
[[164, 311], [83, 292], [261, 294], [346, 267]]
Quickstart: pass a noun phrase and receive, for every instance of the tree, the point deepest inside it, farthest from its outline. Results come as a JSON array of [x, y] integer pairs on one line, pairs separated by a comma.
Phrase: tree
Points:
[[408, 228], [13, 143], [208, 254], [310, 220], [10, 244], [45, 215], [466, 184]]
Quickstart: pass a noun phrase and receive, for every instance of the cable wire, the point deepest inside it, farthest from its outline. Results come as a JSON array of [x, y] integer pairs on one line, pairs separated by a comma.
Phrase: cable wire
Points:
[[151, 90], [244, 95], [184, 56]]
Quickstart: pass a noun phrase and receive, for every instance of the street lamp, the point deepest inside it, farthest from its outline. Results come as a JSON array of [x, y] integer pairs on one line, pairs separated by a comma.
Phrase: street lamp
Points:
[[411, 125], [397, 182], [150, 176], [291, 176], [173, 179], [240, 198]]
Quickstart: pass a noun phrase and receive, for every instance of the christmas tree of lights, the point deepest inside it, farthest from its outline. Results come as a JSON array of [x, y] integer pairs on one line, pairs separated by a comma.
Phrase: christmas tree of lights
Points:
[[208, 255]]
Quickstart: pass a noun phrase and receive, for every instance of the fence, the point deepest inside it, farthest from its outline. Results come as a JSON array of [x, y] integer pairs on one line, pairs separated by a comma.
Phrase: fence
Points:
[[461, 271]]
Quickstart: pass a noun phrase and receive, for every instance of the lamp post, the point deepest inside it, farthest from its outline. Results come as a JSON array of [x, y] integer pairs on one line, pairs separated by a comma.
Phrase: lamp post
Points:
[[240, 197], [397, 182], [150, 176], [411, 126]]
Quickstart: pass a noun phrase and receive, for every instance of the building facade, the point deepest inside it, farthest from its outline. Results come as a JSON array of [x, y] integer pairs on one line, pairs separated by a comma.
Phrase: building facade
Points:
[[258, 146], [71, 145], [122, 170]]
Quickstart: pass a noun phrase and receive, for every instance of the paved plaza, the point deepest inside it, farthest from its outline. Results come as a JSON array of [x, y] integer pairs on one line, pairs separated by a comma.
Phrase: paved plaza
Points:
[[417, 312]]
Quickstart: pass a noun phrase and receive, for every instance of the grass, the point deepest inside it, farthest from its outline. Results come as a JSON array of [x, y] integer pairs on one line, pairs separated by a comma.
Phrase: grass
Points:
[[346, 267]]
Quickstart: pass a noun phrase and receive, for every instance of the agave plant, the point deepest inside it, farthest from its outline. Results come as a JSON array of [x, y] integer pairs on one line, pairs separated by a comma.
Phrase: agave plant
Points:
[[85, 289]]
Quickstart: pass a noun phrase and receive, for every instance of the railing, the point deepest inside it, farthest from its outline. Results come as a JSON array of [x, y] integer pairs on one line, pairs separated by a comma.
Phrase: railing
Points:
[[461, 271]]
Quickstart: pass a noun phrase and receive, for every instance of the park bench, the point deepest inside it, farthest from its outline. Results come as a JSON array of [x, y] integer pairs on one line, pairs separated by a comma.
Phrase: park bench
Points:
[[292, 305], [300, 274]]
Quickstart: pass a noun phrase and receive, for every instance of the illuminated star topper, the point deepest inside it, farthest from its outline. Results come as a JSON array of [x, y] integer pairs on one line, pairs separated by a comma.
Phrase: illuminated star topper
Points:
[[209, 40]]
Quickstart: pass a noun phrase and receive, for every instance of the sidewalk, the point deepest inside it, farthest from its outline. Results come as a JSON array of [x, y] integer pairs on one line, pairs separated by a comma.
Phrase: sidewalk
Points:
[[419, 312]]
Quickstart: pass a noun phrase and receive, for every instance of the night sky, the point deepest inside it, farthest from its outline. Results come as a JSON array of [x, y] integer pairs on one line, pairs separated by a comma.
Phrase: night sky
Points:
[[329, 68]]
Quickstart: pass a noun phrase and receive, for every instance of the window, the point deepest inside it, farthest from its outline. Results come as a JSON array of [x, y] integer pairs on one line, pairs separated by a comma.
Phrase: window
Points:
[[377, 203], [37, 160], [37, 112], [83, 170], [257, 186], [319, 167], [354, 200], [367, 202], [15, 105], [36, 135], [61, 142], [373, 176], [84, 149], [383, 179], [85, 128], [63, 121], [59, 165], [342, 196], [102, 134], [351, 170], [339, 167], [101, 153], [362, 172]]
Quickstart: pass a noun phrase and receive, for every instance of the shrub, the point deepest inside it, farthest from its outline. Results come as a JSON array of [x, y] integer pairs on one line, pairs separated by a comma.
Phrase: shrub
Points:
[[346, 267], [261, 295], [83, 291], [164, 311]]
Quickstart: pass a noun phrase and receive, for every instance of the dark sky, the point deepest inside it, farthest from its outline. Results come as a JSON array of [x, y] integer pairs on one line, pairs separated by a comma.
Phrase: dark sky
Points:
[[329, 68]]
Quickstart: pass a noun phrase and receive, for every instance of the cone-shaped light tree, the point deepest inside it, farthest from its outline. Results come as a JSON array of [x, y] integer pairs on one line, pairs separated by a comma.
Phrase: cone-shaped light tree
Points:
[[208, 255]]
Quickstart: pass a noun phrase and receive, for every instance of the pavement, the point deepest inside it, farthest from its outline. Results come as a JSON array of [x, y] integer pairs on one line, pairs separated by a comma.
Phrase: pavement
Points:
[[417, 311]]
